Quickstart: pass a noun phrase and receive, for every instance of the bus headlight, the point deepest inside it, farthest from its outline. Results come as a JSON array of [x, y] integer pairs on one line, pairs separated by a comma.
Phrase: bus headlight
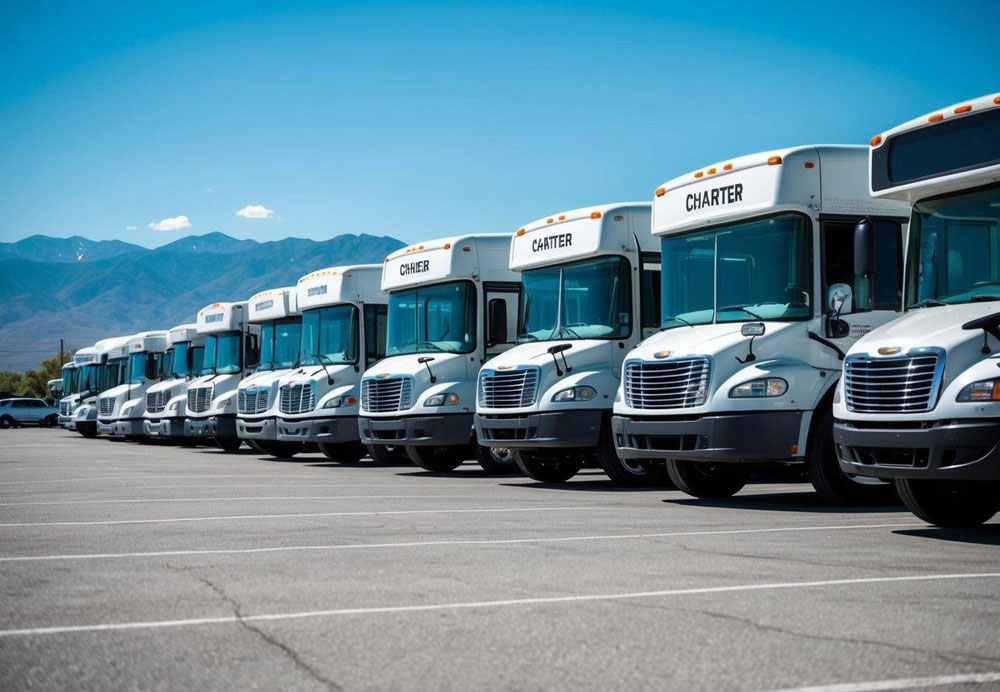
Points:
[[443, 399], [583, 393], [338, 401], [984, 390], [764, 387]]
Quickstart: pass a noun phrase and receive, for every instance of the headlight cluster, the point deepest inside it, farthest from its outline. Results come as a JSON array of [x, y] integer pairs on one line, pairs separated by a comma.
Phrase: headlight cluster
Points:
[[984, 390], [583, 393], [764, 387], [338, 401], [443, 399]]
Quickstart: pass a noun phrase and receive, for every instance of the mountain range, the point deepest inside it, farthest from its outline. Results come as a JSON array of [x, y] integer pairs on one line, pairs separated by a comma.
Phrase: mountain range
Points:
[[83, 290]]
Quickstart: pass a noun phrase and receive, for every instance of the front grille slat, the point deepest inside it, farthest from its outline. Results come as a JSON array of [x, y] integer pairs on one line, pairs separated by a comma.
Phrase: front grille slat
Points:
[[508, 389], [293, 398], [381, 395], [106, 406], [253, 400], [680, 383], [897, 384], [199, 399]]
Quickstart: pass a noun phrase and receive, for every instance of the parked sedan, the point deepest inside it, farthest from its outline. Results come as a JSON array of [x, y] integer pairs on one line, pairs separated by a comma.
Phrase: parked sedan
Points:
[[25, 411]]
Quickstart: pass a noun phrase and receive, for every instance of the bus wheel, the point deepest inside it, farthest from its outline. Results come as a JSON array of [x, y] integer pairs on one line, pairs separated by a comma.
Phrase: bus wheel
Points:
[[386, 455], [496, 460], [833, 485], [707, 480], [228, 444], [438, 458], [627, 472], [86, 429], [278, 449], [548, 466], [951, 504], [343, 452]]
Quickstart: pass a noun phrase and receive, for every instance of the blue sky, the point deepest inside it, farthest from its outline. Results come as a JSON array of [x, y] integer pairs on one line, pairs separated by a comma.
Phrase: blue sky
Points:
[[421, 120]]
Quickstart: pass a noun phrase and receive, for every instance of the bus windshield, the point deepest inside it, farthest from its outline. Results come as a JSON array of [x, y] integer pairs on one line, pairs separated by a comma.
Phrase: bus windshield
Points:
[[89, 378], [738, 272], [430, 319], [114, 373], [588, 299], [136, 368], [69, 381], [279, 343], [954, 249], [178, 359]]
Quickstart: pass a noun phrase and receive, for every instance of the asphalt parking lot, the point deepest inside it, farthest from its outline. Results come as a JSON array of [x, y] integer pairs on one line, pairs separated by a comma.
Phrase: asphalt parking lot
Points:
[[131, 566]]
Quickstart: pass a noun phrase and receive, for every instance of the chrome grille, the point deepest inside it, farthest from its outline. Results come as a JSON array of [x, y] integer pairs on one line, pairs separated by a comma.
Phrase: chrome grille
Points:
[[157, 401], [380, 395], [903, 384], [508, 388], [297, 398], [106, 406], [199, 399], [680, 383], [252, 400], [65, 408]]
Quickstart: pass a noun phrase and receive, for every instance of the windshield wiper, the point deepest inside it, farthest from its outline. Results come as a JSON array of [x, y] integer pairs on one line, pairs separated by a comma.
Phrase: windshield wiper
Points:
[[741, 308], [677, 319], [983, 298], [433, 345], [926, 303]]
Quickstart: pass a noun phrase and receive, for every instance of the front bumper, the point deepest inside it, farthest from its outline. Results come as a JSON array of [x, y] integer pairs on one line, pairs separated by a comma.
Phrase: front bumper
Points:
[[212, 426], [943, 450], [757, 436], [444, 430], [67, 422], [164, 427], [106, 428], [257, 428], [331, 429], [128, 426], [538, 430]]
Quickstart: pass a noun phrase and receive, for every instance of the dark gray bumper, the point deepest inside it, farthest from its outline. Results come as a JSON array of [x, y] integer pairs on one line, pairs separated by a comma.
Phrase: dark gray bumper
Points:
[[952, 450], [757, 436], [213, 426], [539, 430], [338, 429], [164, 427], [257, 428], [129, 426], [106, 428], [444, 430]]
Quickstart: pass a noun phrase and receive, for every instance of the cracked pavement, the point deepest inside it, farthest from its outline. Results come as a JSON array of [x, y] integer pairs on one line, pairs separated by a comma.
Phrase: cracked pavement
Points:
[[198, 597]]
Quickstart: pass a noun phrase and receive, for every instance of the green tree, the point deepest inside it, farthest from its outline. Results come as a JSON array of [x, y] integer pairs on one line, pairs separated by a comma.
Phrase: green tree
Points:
[[9, 380], [33, 382]]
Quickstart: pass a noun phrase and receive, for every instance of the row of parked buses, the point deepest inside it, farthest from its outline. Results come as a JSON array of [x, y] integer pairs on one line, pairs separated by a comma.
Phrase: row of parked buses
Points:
[[831, 308]]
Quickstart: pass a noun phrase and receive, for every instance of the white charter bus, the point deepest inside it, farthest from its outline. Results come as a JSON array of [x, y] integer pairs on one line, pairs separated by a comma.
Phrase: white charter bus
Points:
[[101, 367], [230, 348], [276, 313], [590, 283], [69, 385], [920, 399], [452, 303], [760, 300], [166, 401], [343, 333], [120, 409]]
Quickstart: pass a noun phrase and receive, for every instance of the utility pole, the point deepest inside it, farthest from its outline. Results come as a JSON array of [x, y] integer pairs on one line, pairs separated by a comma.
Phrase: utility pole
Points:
[[60, 352]]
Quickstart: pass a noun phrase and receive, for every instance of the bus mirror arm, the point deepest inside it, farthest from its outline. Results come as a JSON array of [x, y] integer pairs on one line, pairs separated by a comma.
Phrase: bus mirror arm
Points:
[[561, 350], [425, 361], [990, 326]]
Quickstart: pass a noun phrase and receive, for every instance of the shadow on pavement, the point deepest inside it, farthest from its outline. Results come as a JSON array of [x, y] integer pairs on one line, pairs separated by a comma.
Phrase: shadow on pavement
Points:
[[782, 502], [983, 535]]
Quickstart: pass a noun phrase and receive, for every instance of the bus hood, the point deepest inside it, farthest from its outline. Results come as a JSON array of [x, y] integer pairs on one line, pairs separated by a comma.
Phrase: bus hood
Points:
[[715, 340], [580, 354], [928, 327]]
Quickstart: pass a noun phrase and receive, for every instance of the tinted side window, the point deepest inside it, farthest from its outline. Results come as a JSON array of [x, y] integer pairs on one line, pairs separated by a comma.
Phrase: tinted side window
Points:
[[375, 321]]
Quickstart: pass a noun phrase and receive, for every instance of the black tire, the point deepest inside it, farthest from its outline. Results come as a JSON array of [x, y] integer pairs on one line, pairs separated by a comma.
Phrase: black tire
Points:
[[951, 504], [384, 455], [627, 472], [707, 480], [277, 448], [88, 430], [6, 422], [50, 421], [548, 466], [343, 452], [439, 459], [830, 481], [228, 444], [496, 461]]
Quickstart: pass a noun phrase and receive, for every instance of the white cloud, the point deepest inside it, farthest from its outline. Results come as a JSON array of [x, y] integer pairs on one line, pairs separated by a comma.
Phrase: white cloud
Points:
[[256, 211], [173, 223], [130, 228]]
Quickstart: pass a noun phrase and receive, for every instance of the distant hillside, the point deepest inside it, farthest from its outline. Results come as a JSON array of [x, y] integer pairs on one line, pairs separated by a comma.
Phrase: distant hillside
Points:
[[118, 288]]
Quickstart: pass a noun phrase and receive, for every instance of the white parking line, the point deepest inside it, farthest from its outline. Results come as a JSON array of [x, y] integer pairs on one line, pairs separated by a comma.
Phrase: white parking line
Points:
[[145, 476], [513, 602], [418, 544], [234, 499], [295, 516], [902, 683]]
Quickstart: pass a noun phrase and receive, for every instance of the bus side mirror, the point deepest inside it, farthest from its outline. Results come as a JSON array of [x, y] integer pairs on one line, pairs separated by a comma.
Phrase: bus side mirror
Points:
[[864, 247], [189, 359], [497, 330], [150, 369]]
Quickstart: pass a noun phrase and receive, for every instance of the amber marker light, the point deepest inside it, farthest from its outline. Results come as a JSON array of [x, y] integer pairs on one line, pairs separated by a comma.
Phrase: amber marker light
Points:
[[963, 109], [549, 220], [996, 100], [774, 161], [711, 171], [595, 214], [935, 118], [728, 167], [447, 246], [809, 164], [698, 174], [562, 217], [466, 249], [520, 232], [660, 191]]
